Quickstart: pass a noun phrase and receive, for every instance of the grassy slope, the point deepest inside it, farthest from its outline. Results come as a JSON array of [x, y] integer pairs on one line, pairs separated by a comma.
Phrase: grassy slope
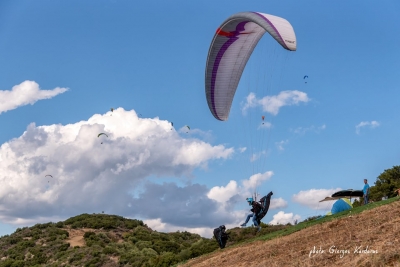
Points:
[[109, 240], [376, 225]]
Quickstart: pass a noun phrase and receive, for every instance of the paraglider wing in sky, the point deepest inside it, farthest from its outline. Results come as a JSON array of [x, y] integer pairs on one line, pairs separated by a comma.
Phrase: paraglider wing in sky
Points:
[[48, 175], [101, 134], [265, 202], [230, 49]]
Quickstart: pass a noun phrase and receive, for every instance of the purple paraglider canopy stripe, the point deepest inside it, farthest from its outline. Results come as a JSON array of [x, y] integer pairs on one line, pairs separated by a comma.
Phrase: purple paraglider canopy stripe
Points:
[[230, 49]]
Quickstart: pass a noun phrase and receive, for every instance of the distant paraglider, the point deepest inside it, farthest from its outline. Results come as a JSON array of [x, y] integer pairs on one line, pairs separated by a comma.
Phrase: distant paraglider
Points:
[[100, 135], [305, 78], [188, 128], [48, 175], [263, 117], [112, 110]]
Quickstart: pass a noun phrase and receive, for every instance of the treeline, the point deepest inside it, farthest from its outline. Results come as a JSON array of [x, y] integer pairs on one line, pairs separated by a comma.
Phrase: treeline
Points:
[[98, 221], [384, 186]]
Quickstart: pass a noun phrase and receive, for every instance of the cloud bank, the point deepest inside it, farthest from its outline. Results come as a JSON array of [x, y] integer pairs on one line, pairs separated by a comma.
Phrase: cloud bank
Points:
[[93, 174]]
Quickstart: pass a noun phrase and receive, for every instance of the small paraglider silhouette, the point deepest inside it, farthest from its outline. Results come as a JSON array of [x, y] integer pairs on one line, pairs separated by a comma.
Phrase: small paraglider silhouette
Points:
[[306, 76], [172, 125], [187, 129], [263, 117], [101, 134], [48, 175], [112, 110]]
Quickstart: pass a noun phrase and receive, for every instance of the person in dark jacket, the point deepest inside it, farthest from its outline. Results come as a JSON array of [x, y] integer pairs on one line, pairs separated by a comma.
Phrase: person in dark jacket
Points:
[[221, 236], [256, 209]]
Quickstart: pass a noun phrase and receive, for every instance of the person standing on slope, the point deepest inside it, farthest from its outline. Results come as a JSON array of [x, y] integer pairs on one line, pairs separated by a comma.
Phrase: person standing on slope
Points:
[[366, 191]]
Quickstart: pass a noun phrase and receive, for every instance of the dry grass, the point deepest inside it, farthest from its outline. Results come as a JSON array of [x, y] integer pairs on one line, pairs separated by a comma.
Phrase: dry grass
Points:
[[376, 230]]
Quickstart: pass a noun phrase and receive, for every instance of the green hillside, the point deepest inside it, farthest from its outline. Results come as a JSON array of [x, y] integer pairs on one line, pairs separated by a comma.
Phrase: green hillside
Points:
[[108, 240]]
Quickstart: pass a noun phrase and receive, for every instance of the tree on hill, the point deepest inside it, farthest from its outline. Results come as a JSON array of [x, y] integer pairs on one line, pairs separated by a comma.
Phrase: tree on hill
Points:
[[385, 184]]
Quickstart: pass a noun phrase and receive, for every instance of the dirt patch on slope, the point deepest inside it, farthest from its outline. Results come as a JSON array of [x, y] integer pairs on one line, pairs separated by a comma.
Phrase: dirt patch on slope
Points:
[[76, 235], [370, 238]]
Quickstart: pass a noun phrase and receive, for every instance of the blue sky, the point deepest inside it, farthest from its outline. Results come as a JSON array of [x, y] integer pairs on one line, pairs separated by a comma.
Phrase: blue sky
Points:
[[64, 64]]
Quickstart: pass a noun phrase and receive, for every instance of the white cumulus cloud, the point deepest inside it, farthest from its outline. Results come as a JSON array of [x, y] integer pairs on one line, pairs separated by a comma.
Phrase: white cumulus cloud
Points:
[[91, 173], [310, 198], [27, 92], [278, 203], [256, 179], [224, 193], [284, 218], [272, 104]]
